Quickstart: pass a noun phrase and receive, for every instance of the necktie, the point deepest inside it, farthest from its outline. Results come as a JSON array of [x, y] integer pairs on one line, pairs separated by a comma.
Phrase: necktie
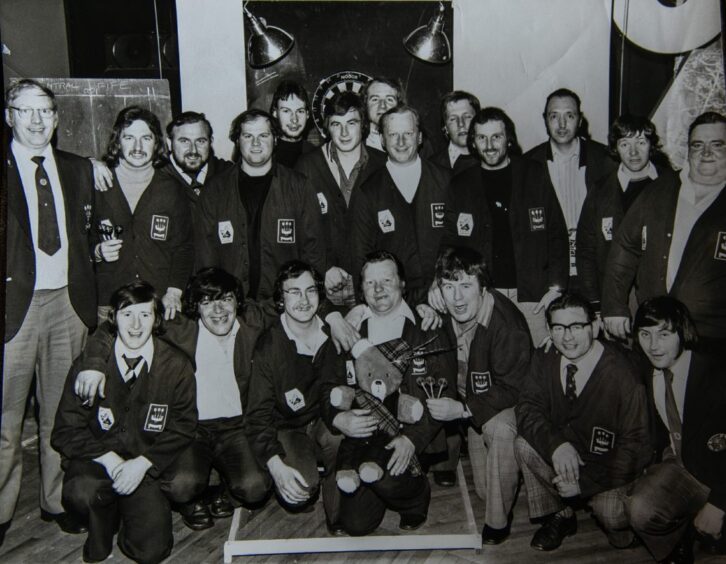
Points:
[[130, 376], [570, 387], [48, 234], [196, 186], [674, 419]]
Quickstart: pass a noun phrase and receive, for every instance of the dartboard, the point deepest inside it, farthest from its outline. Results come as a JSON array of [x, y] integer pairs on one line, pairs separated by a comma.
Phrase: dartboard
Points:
[[344, 81]]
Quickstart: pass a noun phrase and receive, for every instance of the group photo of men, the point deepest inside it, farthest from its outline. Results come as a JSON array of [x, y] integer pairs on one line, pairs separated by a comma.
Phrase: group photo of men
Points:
[[346, 321]]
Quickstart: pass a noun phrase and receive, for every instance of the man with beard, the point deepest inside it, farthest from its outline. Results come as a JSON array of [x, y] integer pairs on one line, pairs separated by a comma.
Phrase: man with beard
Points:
[[289, 107], [458, 108], [336, 170], [142, 225], [507, 210], [573, 163]]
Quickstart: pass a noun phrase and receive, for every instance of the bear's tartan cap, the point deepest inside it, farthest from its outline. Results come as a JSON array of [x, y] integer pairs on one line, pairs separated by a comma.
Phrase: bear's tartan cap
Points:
[[400, 353]]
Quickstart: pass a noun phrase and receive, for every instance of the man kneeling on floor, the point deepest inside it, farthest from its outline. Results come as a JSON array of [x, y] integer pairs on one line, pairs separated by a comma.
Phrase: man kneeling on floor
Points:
[[582, 420], [218, 332], [116, 452]]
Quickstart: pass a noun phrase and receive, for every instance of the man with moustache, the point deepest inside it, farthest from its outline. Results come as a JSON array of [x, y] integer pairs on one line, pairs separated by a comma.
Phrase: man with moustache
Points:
[[507, 210], [405, 207], [142, 225], [573, 162], [685, 492], [289, 107], [673, 240], [336, 170], [257, 215], [50, 297], [633, 141], [458, 108]]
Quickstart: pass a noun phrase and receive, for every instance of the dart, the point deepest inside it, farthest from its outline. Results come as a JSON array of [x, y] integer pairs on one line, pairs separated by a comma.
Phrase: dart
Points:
[[442, 385]]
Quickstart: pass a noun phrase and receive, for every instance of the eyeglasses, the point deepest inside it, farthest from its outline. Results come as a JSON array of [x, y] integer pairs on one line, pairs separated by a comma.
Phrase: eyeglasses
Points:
[[25, 113], [297, 293], [574, 328]]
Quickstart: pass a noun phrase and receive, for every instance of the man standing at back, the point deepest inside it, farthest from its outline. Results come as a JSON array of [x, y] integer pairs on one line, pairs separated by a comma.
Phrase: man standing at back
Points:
[[51, 294], [458, 108], [290, 108]]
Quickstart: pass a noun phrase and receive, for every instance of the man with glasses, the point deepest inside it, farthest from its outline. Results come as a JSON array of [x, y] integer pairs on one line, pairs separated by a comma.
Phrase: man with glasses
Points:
[[50, 288], [673, 240], [582, 420]]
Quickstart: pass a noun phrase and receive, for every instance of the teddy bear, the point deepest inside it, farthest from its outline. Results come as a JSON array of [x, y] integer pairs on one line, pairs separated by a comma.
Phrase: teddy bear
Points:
[[379, 372]]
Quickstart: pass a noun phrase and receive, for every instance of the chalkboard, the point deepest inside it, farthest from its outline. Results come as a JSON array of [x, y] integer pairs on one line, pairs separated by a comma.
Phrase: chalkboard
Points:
[[87, 108]]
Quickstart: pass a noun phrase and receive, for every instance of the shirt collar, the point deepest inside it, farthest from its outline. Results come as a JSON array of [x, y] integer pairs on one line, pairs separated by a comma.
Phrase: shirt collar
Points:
[[625, 175], [586, 364], [558, 154], [455, 151], [403, 310], [680, 366], [201, 175], [20, 151], [146, 352], [483, 316], [300, 346]]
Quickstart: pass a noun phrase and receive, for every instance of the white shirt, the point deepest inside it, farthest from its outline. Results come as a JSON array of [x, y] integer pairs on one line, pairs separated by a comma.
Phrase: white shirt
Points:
[[406, 177], [300, 345], [680, 381], [51, 272], [688, 211], [146, 352], [217, 390], [201, 175], [625, 175], [568, 179], [585, 366], [455, 152], [383, 328], [374, 139]]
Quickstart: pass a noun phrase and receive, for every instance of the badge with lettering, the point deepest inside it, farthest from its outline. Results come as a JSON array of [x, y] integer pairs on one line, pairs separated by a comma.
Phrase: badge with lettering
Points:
[[156, 417], [643, 237], [602, 440], [607, 228], [465, 224], [481, 382], [720, 253], [105, 418], [285, 230], [295, 399], [350, 372], [323, 201], [225, 231], [717, 442], [419, 366], [437, 215], [159, 227], [386, 221], [536, 219]]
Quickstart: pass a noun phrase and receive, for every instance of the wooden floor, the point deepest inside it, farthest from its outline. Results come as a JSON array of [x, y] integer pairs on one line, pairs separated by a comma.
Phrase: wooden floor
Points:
[[30, 540]]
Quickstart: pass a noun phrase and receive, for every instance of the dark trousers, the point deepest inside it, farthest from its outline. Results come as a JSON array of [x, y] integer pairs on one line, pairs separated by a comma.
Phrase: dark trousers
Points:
[[144, 515], [219, 444], [663, 504]]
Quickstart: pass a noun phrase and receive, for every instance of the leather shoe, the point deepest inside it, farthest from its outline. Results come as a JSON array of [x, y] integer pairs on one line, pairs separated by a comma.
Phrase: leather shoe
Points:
[[335, 529], [412, 521], [65, 521], [682, 553], [221, 506], [445, 478], [553, 531], [196, 516], [492, 536]]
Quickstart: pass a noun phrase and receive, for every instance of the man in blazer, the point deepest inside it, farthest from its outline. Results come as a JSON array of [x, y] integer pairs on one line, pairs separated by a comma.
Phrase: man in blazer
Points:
[[458, 108], [51, 294], [686, 490]]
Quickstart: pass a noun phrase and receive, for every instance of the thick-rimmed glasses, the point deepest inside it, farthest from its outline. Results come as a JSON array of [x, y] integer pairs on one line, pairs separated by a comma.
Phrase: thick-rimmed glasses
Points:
[[26, 113]]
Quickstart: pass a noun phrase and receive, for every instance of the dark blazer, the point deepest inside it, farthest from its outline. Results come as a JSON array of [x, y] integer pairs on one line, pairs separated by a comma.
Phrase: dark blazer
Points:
[[462, 163], [76, 179], [215, 165], [539, 234], [701, 277], [704, 415]]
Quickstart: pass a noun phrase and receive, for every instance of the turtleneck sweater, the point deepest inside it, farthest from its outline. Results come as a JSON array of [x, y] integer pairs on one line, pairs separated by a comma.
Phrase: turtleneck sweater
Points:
[[133, 181]]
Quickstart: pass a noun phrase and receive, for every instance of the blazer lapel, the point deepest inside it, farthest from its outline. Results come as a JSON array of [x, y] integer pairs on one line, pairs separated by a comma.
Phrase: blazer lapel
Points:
[[17, 204]]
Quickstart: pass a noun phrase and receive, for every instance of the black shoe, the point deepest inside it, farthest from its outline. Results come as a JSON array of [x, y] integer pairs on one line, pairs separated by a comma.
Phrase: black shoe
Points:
[[552, 532], [445, 478], [196, 516], [335, 529], [65, 521], [412, 521], [3, 529], [221, 506], [492, 536], [681, 554]]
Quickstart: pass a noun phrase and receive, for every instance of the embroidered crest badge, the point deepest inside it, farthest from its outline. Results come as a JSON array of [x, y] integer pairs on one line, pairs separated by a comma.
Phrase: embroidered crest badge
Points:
[[720, 253], [537, 219], [465, 224], [602, 440], [156, 417], [607, 228], [419, 366], [323, 201], [105, 418], [481, 382], [437, 215], [159, 227], [285, 230], [386, 221], [295, 400], [225, 231]]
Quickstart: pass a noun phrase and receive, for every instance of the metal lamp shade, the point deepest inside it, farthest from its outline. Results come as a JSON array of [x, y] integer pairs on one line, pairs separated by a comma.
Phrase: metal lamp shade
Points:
[[429, 42], [268, 44]]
